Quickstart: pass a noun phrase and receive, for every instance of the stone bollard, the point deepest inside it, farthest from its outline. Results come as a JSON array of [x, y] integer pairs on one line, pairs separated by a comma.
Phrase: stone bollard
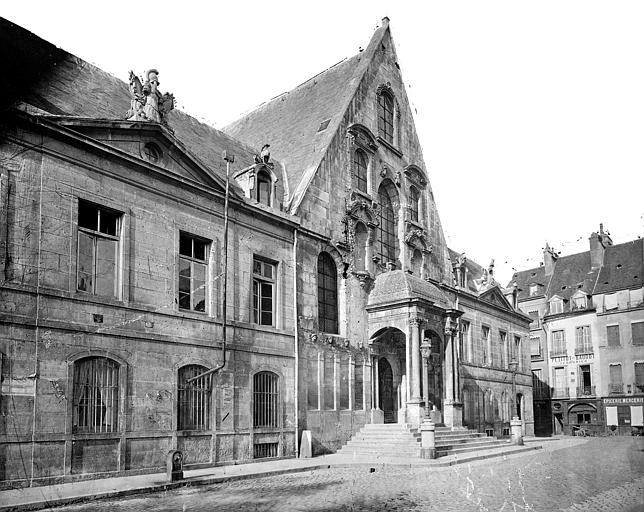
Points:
[[306, 446], [428, 439], [174, 465], [515, 428]]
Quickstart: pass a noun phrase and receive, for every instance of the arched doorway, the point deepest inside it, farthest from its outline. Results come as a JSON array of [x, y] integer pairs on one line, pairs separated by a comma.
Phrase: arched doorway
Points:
[[387, 393]]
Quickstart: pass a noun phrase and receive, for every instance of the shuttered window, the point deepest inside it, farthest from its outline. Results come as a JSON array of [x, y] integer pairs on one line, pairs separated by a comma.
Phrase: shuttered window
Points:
[[638, 333], [96, 395], [612, 334], [194, 399]]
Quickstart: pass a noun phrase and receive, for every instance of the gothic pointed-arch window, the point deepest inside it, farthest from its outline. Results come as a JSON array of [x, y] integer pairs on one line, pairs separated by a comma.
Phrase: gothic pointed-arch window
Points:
[[387, 228], [386, 116], [327, 294], [414, 200], [264, 188], [360, 170]]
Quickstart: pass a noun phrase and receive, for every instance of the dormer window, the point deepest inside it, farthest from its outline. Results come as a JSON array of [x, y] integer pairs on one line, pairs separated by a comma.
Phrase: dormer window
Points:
[[360, 170], [386, 116], [579, 302], [534, 289], [556, 306], [264, 188]]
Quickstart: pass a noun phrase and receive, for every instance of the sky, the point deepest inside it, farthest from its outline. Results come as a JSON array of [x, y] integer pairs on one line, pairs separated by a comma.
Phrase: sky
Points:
[[530, 114]]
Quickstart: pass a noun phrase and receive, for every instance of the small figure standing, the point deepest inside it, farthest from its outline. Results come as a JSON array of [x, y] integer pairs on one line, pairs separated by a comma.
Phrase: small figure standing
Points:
[[265, 153]]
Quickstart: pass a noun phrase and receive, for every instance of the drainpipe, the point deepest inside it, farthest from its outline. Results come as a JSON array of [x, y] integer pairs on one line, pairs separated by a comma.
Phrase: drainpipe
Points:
[[297, 348]]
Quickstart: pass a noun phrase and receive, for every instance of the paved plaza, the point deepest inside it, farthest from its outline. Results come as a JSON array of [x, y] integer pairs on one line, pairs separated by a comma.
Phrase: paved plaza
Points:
[[598, 474]]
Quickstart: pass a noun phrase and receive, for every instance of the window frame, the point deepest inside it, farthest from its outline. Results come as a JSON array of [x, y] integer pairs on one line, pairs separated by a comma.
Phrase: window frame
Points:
[[360, 174], [192, 261], [258, 280], [414, 203], [204, 394], [262, 175], [586, 345], [271, 416], [387, 240], [327, 285], [386, 113], [559, 348], [96, 235]]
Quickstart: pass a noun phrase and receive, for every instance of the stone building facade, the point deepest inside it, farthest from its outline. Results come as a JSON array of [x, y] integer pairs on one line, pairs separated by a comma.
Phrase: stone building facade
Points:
[[344, 304], [587, 337]]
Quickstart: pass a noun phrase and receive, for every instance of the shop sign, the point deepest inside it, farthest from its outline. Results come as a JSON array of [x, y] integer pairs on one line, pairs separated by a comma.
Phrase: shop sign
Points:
[[583, 358], [629, 400]]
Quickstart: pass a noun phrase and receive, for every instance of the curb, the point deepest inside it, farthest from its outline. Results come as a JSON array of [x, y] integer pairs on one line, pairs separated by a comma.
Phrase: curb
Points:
[[209, 480]]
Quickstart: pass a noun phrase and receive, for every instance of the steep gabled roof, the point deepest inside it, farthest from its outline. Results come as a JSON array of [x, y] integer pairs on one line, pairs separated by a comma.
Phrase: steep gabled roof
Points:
[[572, 273], [622, 268], [300, 124], [525, 278], [60, 83]]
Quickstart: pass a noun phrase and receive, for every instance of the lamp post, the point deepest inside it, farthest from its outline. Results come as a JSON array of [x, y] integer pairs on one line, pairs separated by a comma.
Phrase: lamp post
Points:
[[515, 422]]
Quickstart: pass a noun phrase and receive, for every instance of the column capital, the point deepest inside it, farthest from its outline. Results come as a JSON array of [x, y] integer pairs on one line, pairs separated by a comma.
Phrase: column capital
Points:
[[415, 321]]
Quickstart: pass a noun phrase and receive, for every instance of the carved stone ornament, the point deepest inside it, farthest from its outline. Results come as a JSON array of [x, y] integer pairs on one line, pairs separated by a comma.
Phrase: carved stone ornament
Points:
[[384, 170], [364, 278], [313, 337], [397, 179], [146, 101]]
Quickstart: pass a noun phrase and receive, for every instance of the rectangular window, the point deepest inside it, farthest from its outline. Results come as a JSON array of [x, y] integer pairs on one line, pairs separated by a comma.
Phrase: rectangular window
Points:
[[95, 395], [615, 384], [560, 388], [583, 344], [579, 303], [99, 231], [535, 347], [344, 383], [329, 382], [264, 288], [312, 381], [556, 306], [465, 341], [265, 450], [265, 400], [612, 334], [358, 384], [193, 399], [193, 266], [637, 329], [518, 353], [503, 340], [639, 377], [534, 289], [585, 385], [485, 336], [583, 417], [535, 319], [558, 343]]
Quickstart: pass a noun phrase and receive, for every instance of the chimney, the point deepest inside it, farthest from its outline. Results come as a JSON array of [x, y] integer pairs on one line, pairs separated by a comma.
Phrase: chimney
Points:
[[598, 242], [549, 259]]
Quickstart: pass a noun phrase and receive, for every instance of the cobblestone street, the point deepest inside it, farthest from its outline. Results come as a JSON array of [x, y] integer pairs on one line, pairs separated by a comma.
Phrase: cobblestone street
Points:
[[602, 474]]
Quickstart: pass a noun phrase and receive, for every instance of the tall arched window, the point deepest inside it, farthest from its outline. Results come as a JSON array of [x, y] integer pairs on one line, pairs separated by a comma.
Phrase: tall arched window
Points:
[[386, 116], [414, 198], [95, 395], [360, 170], [327, 294], [193, 399], [387, 228], [264, 186], [265, 400]]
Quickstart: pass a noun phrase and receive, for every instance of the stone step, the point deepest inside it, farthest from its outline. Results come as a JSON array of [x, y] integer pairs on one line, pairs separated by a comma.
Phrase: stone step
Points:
[[468, 440], [467, 448], [454, 446]]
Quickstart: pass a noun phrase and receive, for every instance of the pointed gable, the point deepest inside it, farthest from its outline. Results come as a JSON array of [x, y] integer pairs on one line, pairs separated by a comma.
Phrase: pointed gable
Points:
[[300, 124], [495, 296]]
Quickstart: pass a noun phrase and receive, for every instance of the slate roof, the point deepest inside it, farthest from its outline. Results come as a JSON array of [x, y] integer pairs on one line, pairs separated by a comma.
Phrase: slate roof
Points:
[[474, 270], [291, 122], [67, 85], [622, 269], [398, 285]]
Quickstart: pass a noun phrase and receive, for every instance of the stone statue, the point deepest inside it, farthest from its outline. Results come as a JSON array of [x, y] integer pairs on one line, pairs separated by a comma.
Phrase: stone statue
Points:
[[147, 103]]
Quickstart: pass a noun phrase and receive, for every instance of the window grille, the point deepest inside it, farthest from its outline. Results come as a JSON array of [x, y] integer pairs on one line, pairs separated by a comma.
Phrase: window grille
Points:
[[95, 395], [360, 170], [265, 399], [263, 292], [387, 227], [265, 450], [194, 399], [386, 117], [327, 294], [193, 256], [98, 250]]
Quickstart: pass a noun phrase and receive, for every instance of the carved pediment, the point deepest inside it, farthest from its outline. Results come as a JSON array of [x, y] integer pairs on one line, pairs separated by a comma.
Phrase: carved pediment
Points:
[[363, 210], [414, 174], [361, 136], [415, 237]]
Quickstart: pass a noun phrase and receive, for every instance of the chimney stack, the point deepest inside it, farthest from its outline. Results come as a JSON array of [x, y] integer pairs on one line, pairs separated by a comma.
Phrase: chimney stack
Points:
[[598, 243], [549, 259]]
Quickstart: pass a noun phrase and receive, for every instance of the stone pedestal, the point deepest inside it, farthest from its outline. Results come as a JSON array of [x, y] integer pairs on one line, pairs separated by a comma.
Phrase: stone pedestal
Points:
[[452, 413], [436, 416], [516, 426], [415, 413], [377, 416], [306, 446], [428, 439]]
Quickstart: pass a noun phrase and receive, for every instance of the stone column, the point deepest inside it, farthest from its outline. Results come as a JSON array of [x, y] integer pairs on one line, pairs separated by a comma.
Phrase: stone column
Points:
[[414, 325], [453, 409], [377, 416]]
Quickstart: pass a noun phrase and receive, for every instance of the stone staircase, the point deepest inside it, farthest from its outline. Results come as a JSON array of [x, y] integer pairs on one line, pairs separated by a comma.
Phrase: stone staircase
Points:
[[391, 440]]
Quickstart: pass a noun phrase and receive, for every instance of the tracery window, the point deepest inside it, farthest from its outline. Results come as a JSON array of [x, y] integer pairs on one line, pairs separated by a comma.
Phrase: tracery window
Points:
[[327, 294], [386, 116], [387, 228], [360, 170]]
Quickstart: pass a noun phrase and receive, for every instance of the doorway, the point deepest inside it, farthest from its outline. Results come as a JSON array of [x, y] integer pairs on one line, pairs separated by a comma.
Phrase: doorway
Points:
[[387, 395]]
